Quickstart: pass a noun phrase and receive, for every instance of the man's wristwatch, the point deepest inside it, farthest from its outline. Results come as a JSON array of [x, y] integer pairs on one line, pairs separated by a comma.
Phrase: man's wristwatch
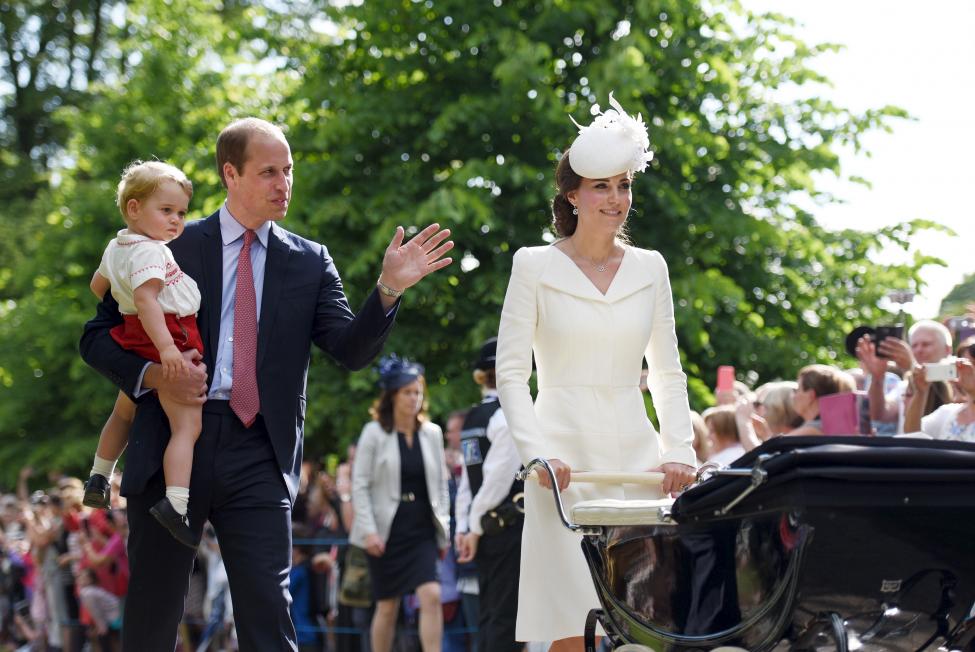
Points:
[[388, 291]]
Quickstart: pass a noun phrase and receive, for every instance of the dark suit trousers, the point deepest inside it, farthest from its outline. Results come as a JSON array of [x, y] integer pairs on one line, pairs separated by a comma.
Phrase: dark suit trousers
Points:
[[498, 570], [237, 485]]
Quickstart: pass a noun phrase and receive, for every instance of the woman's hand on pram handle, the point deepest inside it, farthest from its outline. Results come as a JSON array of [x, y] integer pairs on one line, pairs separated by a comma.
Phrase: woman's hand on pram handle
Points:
[[563, 474], [606, 477], [677, 477]]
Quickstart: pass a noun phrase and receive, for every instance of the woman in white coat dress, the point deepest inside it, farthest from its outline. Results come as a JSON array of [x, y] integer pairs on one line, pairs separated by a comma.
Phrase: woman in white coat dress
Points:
[[591, 307]]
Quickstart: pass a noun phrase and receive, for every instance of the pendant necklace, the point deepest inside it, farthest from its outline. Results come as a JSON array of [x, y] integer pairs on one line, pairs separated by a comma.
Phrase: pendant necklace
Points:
[[600, 267]]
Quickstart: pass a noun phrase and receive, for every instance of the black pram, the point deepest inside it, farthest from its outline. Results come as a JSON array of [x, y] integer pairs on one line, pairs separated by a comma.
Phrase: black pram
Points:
[[806, 543]]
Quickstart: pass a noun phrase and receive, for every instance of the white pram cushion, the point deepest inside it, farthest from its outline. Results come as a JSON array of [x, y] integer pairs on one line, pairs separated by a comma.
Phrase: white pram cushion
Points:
[[609, 511]]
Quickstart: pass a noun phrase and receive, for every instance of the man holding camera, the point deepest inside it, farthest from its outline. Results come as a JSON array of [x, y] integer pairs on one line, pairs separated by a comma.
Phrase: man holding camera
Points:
[[951, 421], [930, 342]]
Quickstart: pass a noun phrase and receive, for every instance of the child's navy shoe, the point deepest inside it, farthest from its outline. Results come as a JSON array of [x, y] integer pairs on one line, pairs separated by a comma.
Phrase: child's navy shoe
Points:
[[178, 526], [98, 492]]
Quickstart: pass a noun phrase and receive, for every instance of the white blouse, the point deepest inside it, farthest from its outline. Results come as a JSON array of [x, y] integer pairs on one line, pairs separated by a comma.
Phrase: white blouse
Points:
[[943, 424]]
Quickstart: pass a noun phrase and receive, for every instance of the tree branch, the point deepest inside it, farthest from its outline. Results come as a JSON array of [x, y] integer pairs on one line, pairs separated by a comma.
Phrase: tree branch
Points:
[[96, 41]]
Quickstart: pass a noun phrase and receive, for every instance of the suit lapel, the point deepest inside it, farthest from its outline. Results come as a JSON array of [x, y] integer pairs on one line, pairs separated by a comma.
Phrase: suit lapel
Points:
[[211, 253], [274, 274]]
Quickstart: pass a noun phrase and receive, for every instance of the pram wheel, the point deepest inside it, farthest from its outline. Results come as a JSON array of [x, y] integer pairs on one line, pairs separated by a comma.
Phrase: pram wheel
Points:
[[839, 632], [828, 629], [589, 636]]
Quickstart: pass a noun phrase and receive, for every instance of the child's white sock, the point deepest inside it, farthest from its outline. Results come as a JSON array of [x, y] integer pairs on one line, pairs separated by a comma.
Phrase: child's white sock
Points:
[[103, 467], [179, 498]]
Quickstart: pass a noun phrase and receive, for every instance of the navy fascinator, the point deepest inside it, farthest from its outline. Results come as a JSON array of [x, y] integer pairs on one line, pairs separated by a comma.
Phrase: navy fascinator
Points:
[[395, 372]]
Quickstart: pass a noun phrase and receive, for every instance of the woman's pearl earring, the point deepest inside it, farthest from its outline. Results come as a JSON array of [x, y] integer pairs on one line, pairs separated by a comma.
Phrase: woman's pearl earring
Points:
[[575, 210]]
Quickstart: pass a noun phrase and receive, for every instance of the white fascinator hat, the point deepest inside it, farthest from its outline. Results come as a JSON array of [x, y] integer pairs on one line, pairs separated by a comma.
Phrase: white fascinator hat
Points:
[[614, 143]]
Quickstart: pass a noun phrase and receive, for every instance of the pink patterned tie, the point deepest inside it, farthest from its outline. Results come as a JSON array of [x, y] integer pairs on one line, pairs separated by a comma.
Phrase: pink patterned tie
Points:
[[244, 398]]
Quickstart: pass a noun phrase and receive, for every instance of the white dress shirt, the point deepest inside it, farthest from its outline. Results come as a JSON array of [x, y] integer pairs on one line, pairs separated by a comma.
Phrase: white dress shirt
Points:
[[232, 235], [499, 468]]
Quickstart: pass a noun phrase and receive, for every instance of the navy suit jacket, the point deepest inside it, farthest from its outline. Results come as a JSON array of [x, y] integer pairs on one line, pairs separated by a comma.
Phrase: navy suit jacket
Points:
[[303, 302]]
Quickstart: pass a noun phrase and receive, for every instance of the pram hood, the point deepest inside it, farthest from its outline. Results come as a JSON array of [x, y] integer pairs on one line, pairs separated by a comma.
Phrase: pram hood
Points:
[[840, 471]]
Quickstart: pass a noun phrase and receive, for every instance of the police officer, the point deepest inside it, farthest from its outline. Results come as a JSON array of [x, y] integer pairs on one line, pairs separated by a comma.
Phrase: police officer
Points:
[[489, 514]]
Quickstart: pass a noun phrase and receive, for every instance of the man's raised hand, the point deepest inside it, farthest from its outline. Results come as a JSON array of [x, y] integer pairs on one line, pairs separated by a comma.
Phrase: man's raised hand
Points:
[[405, 263]]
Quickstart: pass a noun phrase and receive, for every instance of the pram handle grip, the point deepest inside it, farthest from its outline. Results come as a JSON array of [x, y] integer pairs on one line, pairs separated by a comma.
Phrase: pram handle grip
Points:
[[543, 465], [610, 477]]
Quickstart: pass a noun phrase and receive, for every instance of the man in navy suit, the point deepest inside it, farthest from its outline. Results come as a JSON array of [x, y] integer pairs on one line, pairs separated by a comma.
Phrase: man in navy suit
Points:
[[245, 468]]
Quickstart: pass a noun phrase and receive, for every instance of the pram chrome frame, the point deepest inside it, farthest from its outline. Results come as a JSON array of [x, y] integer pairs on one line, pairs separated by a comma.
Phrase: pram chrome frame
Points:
[[815, 543]]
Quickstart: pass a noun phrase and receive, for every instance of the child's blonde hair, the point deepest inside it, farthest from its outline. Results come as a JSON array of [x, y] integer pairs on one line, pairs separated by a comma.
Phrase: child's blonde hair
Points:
[[142, 178], [721, 419]]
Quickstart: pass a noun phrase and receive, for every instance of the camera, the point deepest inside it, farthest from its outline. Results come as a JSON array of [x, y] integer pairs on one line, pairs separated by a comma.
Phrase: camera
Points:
[[876, 333], [941, 371]]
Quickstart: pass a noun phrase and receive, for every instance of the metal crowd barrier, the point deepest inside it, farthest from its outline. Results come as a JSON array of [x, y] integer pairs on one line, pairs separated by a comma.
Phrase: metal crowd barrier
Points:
[[324, 629]]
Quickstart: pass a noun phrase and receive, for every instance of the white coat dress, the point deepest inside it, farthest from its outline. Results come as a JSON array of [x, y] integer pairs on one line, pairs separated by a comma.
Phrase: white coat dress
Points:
[[588, 412]]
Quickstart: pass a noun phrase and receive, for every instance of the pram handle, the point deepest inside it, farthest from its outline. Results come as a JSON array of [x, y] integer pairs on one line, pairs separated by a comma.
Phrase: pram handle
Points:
[[611, 477], [540, 463]]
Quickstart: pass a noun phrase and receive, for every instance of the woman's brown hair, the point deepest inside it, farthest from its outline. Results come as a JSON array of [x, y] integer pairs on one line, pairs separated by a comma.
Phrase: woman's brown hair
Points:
[[824, 380], [722, 421], [966, 346], [939, 393], [780, 414], [382, 407], [566, 180]]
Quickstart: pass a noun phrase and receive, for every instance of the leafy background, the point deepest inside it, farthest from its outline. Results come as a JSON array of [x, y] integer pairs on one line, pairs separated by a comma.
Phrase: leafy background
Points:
[[404, 112]]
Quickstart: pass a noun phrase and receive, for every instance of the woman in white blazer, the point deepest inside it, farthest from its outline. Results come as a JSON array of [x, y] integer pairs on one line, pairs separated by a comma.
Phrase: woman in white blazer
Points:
[[401, 503], [590, 307]]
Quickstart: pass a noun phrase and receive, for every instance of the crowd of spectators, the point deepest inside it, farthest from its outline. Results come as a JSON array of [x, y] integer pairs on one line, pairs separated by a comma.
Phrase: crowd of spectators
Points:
[[889, 385], [64, 571], [64, 575]]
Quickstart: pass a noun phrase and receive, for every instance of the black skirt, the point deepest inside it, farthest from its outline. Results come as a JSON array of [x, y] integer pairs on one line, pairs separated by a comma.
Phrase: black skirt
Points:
[[411, 552]]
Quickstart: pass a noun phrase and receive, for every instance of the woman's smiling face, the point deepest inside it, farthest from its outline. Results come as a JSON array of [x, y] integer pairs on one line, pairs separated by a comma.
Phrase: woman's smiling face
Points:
[[603, 203]]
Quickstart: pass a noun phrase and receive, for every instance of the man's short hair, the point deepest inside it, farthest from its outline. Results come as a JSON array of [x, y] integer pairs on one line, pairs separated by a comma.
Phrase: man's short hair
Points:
[[232, 142], [933, 326]]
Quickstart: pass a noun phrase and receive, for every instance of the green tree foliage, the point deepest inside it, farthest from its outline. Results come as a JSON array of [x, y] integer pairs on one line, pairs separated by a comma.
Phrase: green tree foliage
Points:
[[403, 112], [171, 98], [458, 111], [960, 299], [49, 53]]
